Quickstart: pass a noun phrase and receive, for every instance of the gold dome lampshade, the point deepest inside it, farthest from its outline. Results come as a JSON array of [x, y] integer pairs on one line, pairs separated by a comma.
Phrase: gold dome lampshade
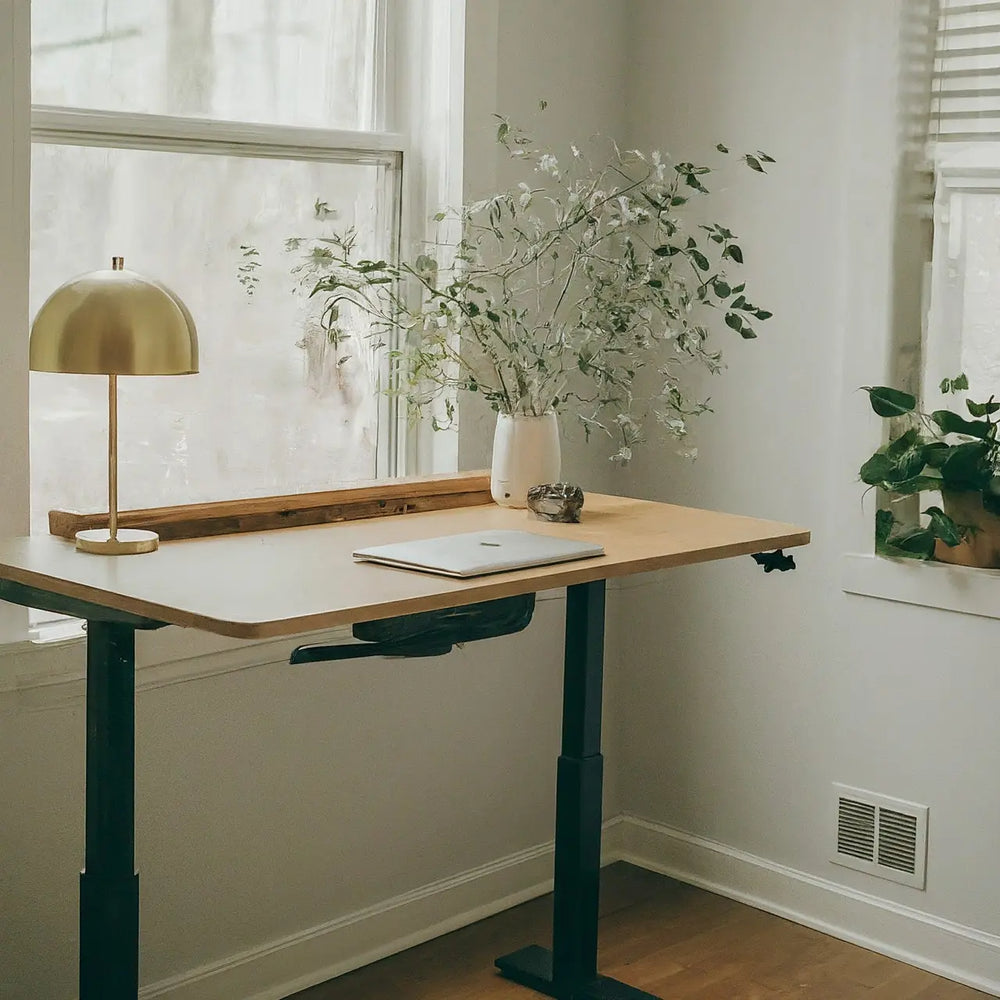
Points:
[[114, 322]]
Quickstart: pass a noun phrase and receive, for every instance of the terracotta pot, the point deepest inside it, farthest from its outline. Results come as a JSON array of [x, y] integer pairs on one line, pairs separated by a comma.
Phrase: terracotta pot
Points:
[[982, 548]]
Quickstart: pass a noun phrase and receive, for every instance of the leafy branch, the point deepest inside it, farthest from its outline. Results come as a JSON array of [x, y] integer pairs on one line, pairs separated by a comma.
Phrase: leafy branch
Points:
[[557, 294]]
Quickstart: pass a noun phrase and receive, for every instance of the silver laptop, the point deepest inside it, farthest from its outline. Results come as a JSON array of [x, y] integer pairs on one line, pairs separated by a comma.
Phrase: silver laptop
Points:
[[477, 553]]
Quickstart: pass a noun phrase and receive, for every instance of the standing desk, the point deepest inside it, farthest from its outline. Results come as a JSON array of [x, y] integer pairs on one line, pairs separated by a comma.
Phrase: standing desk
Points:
[[293, 580]]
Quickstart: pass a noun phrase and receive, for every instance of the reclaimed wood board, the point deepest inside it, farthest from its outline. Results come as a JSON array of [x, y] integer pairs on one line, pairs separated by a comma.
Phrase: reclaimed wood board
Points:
[[383, 498]]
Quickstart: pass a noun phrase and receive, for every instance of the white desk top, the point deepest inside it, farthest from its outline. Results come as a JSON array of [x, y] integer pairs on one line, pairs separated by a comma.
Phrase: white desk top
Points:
[[272, 583]]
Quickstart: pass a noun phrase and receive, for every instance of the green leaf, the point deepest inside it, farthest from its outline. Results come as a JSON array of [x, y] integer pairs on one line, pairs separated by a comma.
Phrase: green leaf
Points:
[[734, 252], [936, 453], [960, 382], [943, 527], [721, 288], [666, 250], [897, 467], [734, 322], [763, 314], [748, 332], [721, 148], [888, 402], [877, 470], [701, 261], [753, 163], [982, 409], [907, 455], [917, 543], [952, 423], [964, 468], [761, 155], [918, 484], [885, 521], [905, 442]]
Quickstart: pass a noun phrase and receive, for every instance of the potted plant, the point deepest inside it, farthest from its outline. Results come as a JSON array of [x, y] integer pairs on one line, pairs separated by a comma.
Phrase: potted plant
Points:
[[952, 453], [583, 289]]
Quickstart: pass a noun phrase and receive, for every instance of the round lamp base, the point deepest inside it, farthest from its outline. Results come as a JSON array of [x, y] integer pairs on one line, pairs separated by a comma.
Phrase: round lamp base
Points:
[[129, 541]]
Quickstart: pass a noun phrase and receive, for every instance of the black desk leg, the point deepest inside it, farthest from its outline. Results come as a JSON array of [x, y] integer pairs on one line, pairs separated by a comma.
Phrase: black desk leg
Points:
[[109, 885], [569, 970]]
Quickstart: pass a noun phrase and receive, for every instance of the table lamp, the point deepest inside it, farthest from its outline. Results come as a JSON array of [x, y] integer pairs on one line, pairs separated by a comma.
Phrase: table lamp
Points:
[[114, 323]]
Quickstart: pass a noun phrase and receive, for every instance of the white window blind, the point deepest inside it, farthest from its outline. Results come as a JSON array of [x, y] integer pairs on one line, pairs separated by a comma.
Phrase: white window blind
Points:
[[965, 98]]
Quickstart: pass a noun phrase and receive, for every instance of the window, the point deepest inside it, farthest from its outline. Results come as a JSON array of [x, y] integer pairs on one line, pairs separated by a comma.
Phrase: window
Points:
[[963, 328], [173, 132], [945, 79]]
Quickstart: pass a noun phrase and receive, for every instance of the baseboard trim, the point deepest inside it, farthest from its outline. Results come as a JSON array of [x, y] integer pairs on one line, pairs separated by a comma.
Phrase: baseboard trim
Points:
[[280, 968], [943, 947], [313, 956]]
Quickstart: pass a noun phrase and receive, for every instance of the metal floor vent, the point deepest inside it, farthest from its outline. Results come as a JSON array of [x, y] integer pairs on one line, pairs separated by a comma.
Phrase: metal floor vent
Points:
[[881, 836]]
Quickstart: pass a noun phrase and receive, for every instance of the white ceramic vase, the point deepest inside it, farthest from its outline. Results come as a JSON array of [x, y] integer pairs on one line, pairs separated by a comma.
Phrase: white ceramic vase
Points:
[[525, 454]]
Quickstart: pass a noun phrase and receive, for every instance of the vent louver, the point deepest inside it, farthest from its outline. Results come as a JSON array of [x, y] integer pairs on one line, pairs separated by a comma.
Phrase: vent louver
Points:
[[881, 836], [856, 829]]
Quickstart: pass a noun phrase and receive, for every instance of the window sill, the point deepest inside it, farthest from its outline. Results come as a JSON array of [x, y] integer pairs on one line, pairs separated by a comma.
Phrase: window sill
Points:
[[931, 585]]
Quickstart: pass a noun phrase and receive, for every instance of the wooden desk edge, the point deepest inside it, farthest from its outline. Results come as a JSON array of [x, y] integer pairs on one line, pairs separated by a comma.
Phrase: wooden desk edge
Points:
[[480, 589]]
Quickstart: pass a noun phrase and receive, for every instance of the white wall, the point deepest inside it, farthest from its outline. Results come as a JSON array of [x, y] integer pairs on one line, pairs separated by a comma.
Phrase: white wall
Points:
[[274, 801], [746, 696], [14, 166], [572, 54]]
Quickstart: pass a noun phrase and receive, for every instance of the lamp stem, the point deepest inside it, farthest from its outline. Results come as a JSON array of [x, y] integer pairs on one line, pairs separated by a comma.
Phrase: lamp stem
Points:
[[113, 455]]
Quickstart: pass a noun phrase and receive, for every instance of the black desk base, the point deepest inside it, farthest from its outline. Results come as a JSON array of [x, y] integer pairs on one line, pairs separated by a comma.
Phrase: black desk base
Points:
[[569, 970], [532, 967], [109, 885]]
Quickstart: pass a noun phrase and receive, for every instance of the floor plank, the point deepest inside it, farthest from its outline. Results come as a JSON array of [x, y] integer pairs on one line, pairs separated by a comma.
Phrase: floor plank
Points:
[[662, 936]]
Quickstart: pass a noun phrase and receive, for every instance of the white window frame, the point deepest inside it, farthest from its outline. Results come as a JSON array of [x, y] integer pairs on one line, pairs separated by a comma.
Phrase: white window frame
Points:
[[874, 298], [413, 34]]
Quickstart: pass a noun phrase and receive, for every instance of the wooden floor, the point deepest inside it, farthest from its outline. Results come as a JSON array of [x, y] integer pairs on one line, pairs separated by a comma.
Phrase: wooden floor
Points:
[[673, 940]]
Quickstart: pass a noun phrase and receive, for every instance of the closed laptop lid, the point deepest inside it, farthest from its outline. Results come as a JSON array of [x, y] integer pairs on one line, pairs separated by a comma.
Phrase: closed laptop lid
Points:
[[477, 553]]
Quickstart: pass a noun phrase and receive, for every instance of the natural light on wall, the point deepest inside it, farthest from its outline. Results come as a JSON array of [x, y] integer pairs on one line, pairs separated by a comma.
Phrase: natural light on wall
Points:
[[276, 408]]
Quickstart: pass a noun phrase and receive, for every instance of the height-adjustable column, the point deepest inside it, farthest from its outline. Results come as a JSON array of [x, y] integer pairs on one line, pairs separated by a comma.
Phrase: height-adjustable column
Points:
[[578, 791], [109, 885], [569, 970]]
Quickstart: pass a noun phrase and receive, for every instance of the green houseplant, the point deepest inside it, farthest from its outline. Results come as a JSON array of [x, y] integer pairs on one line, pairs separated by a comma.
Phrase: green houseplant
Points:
[[952, 453], [584, 289]]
